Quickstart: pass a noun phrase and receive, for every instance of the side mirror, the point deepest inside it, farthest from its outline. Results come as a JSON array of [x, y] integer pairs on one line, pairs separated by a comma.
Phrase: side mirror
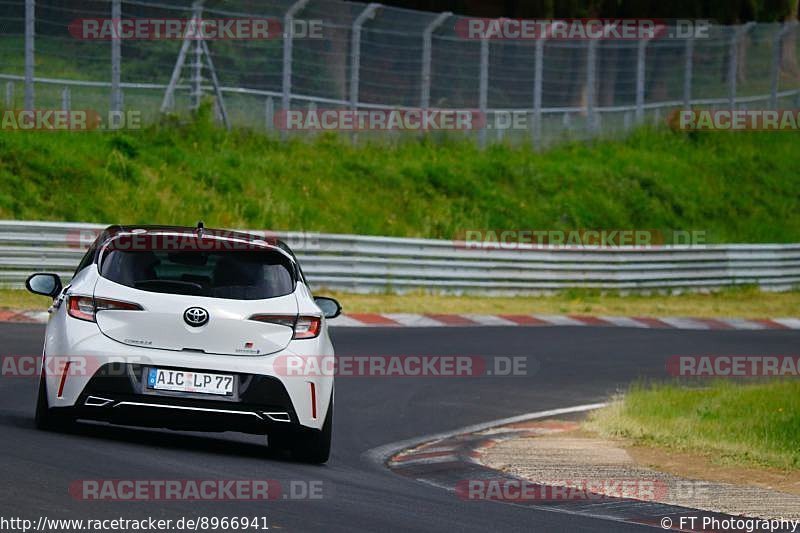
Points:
[[330, 307], [44, 284]]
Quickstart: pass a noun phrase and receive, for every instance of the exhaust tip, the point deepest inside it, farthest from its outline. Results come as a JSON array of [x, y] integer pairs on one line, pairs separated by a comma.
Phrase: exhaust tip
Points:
[[96, 401], [278, 416]]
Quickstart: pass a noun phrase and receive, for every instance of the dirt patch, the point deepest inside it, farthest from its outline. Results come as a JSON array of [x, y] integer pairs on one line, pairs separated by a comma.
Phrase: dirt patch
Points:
[[700, 466], [574, 456]]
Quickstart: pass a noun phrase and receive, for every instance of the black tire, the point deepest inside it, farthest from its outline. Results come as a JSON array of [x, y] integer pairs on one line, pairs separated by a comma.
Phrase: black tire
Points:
[[47, 418], [306, 445]]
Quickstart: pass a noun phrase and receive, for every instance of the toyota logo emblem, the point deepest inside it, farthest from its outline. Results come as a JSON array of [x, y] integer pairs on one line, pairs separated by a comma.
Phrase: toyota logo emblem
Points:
[[195, 316]]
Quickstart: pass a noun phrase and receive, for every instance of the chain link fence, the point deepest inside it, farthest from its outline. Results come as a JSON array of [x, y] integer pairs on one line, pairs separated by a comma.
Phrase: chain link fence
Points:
[[370, 56]]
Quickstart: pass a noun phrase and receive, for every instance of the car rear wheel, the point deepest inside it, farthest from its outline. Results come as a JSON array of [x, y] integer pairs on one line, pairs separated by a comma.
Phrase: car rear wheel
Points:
[[306, 445], [46, 417]]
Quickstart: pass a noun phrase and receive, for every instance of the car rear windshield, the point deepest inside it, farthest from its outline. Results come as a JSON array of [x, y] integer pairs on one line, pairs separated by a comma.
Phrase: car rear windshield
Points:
[[238, 275]]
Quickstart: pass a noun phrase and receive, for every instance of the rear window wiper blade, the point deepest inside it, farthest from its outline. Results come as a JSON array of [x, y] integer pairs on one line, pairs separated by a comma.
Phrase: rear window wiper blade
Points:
[[170, 285]]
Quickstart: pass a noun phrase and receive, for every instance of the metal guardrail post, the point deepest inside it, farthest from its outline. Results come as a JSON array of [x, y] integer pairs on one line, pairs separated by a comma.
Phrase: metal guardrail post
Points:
[[288, 44], [30, 31], [116, 58], [427, 49], [733, 61], [483, 91], [688, 64], [641, 56], [355, 51]]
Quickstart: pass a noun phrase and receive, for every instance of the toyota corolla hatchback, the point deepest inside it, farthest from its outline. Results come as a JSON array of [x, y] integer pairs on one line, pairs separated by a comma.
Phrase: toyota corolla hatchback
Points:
[[189, 328]]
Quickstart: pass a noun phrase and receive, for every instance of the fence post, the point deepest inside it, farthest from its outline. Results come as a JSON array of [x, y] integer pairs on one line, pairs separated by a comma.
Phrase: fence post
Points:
[[591, 77], [30, 28], [427, 47], [312, 111], [687, 72], [220, 103], [777, 54], [641, 56], [66, 99], [269, 113], [197, 66], [733, 61], [538, 73], [355, 50], [168, 102], [9, 95], [483, 94], [733, 65], [116, 58], [288, 45]]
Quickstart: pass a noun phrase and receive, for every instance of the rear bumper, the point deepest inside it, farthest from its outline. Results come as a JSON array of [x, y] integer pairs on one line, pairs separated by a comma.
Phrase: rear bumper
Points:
[[305, 397], [117, 394]]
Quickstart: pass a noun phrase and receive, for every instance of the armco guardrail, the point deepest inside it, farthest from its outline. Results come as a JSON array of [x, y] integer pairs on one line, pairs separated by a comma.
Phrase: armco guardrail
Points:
[[378, 264]]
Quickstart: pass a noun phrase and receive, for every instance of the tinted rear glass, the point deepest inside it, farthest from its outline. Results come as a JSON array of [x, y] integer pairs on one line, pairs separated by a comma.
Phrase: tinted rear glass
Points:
[[238, 275]]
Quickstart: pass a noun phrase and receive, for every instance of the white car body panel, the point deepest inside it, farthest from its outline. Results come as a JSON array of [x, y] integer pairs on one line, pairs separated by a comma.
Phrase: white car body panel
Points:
[[161, 325], [116, 334]]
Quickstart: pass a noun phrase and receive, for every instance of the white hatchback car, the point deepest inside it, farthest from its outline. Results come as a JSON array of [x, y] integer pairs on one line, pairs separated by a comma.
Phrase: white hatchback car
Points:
[[188, 328]]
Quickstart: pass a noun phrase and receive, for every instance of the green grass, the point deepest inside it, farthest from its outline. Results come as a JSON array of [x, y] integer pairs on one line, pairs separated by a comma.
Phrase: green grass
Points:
[[735, 302], [739, 187], [752, 424], [21, 299]]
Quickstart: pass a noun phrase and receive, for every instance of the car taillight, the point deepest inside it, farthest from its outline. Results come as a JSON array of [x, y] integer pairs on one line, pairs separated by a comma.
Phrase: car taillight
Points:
[[307, 327], [282, 320], [86, 307], [81, 307], [304, 327]]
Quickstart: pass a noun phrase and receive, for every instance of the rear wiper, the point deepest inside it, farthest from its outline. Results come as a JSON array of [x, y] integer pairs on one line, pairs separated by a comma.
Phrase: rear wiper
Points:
[[170, 285]]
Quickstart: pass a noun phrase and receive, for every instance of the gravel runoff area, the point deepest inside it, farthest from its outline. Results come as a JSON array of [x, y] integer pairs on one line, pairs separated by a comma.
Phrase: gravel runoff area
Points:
[[552, 459]]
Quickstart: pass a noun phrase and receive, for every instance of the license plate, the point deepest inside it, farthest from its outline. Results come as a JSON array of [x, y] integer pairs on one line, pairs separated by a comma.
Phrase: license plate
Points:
[[185, 381]]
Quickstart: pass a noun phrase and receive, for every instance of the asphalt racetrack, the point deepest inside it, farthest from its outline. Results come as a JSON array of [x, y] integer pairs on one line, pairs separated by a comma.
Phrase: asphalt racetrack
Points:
[[568, 366]]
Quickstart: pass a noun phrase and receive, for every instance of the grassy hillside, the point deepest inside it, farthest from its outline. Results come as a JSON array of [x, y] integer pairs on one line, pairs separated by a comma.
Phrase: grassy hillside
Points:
[[741, 187]]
